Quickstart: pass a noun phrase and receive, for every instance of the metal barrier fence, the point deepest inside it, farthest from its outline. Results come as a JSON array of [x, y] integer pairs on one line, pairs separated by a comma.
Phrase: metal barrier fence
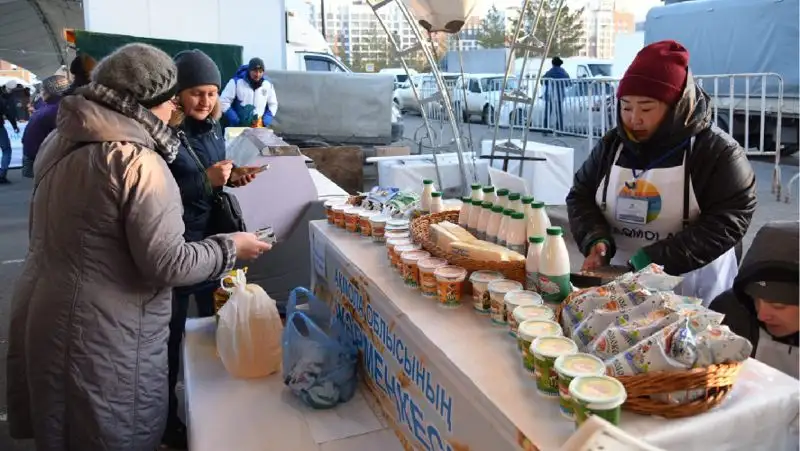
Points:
[[437, 114]]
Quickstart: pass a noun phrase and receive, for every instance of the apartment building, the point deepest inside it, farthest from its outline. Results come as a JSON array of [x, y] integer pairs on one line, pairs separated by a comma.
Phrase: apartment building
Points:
[[602, 23]]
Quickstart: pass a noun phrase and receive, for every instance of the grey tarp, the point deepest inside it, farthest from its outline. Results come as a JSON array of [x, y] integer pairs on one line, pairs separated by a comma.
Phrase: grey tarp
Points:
[[735, 37]]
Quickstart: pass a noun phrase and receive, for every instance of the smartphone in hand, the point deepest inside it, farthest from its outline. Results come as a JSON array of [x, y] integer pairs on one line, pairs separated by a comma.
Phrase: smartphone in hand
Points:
[[266, 235]]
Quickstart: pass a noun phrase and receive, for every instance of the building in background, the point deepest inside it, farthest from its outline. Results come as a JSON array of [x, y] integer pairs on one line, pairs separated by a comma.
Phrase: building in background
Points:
[[468, 37], [8, 70], [602, 23]]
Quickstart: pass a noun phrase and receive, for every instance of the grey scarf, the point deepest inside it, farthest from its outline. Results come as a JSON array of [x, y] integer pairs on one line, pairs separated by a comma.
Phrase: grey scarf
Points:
[[166, 142]]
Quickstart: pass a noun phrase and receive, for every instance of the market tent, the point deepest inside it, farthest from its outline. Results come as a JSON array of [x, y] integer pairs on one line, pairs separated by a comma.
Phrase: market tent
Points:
[[31, 33]]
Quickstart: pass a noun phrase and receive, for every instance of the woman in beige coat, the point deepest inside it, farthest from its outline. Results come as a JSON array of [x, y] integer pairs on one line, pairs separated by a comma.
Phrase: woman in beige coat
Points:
[[87, 360]]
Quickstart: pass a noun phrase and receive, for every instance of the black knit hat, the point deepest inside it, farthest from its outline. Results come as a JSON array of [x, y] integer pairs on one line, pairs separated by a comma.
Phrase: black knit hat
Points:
[[195, 68], [255, 64]]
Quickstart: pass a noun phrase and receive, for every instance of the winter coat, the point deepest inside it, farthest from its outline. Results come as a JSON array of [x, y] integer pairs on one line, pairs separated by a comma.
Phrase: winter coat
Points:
[[243, 100], [720, 174], [43, 121], [772, 263], [87, 359]]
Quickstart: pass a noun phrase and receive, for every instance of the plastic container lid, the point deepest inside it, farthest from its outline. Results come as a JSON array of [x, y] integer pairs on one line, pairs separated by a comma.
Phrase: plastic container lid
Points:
[[502, 192], [409, 257], [367, 214], [398, 241], [397, 234], [533, 328], [504, 286], [599, 392], [554, 231], [341, 207], [407, 247], [475, 186], [524, 313], [527, 199], [431, 263], [523, 297], [335, 201], [497, 209], [485, 276], [452, 273], [553, 346], [378, 219], [536, 204], [397, 223], [487, 205], [580, 364], [436, 194], [518, 215], [536, 239], [514, 196], [427, 182], [488, 189]]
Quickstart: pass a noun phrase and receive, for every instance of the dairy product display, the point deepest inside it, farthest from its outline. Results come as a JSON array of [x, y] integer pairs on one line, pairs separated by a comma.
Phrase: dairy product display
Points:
[[351, 219], [502, 233], [485, 251], [481, 301], [425, 198], [516, 238], [502, 198], [489, 194], [545, 351], [450, 285], [597, 395], [410, 270], [377, 225], [530, 330], [535, 245], [463, 213], [554, 269], [515, 201], [364, 223], [338, 214], [474, 216], [570, 366], [427, 280], [538, 221], [483, 220], [396, 262], [436, 202], [494, 223], [515, 299], [497, 293]]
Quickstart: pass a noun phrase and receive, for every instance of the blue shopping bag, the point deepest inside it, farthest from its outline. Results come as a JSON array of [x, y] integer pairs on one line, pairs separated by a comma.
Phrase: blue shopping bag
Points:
[[301, 299], [317, 367]]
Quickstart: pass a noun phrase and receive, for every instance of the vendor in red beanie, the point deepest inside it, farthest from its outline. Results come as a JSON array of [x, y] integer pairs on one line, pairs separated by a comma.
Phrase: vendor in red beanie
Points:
[[666, 186]]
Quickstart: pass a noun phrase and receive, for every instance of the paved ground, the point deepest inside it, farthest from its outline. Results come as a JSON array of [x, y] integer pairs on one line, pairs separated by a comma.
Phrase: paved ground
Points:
[[14, 217]]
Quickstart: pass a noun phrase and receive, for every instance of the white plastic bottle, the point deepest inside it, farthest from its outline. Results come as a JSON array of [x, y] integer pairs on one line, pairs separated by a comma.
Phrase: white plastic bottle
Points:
[[476, 191], [436, 202], [474, 216], [515, 238], [463, 213], [535, 245], [488, 194], [538, 222], [526, 206], [514, 201], [483, 220], [554, 269], [494, 223], [425, 198], [502, 198], [502, 233]]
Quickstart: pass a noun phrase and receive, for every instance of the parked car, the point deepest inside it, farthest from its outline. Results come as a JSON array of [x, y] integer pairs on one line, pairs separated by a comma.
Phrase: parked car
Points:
[[426, 86], [482, 95]]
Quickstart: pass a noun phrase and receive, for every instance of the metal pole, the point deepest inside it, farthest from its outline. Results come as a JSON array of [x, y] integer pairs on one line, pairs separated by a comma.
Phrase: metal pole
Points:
[[322, 11]]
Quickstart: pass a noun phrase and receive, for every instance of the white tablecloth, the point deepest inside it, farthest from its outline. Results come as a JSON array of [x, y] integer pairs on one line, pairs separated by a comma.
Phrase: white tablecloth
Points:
[[479, 366], [548, 181], [408, 175]]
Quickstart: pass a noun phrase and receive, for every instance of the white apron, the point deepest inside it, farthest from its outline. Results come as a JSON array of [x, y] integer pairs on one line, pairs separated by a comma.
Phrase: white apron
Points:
[[651, 205], [780, 356]]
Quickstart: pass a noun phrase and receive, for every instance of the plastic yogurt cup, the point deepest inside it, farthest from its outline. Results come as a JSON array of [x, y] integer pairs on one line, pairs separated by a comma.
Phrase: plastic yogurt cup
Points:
[[338, 214], [597, 395], [391, 243], [514, 299], [329, 204], [480, 293], [398, 251], [364, 224], [351, 219], [427, 281], [497, 293], [410, 268], [449, 285], [545, 351], [570, 366], [530, 330], [377, 225], [398, 225], [529, 312], [390, 235]]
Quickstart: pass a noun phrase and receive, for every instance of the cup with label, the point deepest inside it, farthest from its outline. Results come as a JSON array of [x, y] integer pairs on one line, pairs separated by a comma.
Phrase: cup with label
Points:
[[514, 299], [497, 293], [545, 351], [597, 395], [570, 366], [528, 331], [450, 285], [481, 302]]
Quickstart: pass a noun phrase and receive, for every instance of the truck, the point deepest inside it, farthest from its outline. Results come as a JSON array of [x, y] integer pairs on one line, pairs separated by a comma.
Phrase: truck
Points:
[[746, 51]]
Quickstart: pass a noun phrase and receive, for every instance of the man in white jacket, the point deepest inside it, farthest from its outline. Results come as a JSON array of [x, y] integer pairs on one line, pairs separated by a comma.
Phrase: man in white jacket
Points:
[[249, 98]]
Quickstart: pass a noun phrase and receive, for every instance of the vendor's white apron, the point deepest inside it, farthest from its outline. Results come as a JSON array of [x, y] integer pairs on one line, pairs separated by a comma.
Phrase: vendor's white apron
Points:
[[780, 356], [654, 206]]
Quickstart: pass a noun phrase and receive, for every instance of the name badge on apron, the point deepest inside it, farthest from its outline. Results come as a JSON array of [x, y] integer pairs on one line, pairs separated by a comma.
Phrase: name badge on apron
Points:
[[638, 202]]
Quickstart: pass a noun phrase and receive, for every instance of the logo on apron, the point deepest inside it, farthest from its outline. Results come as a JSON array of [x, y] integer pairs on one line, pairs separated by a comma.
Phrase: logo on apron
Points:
[[638, 202]]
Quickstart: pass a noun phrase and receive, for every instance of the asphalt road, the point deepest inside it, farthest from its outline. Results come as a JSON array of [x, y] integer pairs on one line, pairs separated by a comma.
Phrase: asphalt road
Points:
[[14, 200]]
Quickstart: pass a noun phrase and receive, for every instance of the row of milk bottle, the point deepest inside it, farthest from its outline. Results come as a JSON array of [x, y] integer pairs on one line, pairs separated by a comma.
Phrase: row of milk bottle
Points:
[[501, 217]]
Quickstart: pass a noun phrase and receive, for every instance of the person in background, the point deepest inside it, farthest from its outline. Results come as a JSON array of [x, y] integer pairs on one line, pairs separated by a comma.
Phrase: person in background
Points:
[[556, 81], [666, 186], [81, 67], [7, 112], [762, 306], [249, 99], [42, 122], [87, 348], [200, 134]]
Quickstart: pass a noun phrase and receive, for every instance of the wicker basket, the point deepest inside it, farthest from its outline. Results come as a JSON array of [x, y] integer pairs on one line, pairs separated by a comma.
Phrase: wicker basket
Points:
[[716, 381], [420, 230]]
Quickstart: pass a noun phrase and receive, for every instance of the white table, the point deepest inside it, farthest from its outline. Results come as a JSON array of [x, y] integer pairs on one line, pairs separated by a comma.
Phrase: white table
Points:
[[494, 402], [409, 174], [227, 414]]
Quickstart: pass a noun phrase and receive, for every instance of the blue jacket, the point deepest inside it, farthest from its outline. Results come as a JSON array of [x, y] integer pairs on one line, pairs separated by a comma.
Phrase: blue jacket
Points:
[[244, 100], [208, 143]]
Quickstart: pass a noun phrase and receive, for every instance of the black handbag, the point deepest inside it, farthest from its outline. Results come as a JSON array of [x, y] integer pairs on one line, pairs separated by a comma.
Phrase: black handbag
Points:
[[226, 214]]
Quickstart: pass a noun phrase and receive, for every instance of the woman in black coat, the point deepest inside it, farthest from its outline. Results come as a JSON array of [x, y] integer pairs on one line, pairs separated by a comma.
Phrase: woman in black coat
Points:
[[200, 168]]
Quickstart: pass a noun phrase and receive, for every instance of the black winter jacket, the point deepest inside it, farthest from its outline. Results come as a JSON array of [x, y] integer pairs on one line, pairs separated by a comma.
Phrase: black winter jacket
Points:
[[720, 174]]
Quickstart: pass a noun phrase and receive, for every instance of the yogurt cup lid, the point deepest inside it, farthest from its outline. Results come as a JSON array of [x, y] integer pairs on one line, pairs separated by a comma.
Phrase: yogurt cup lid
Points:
[[415, 255], [397, 223], [531, 329], [603, 390], [406, 248], [504, 286], [431, 263], [398, 241], [523, 297], [341, 207], [580, 364], [352, 210], [485, 276], [451, 272], [553, 346], [335, 201], [366, 214], [378, 218], [528, 312]]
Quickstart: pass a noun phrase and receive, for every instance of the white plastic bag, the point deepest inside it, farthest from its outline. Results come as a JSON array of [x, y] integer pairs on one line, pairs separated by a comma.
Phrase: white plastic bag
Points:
[[249, 331]]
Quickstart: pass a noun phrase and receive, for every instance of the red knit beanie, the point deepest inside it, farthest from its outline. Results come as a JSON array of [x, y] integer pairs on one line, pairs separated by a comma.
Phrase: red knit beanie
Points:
[[658, 71]]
